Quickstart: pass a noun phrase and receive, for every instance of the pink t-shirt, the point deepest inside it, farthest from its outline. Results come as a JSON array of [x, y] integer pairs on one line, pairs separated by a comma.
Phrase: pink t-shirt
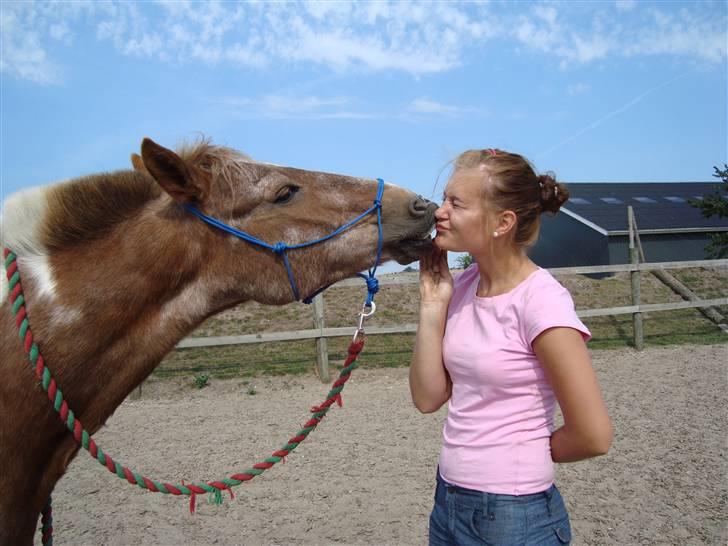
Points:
[[500, 415]]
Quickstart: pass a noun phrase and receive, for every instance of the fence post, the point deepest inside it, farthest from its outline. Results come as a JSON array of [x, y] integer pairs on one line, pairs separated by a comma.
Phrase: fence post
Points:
[[322, 348], [635, 278]]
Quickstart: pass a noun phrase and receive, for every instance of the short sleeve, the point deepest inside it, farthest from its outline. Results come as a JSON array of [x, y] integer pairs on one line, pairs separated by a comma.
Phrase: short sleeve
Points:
[[549, 305]]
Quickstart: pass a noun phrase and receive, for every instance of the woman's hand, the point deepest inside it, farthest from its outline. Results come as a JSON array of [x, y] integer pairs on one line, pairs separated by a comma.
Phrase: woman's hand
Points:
[[436, 283], [430, 384]]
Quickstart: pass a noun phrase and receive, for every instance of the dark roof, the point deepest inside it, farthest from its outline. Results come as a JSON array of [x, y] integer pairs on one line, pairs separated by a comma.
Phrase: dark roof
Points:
[[657, 206]]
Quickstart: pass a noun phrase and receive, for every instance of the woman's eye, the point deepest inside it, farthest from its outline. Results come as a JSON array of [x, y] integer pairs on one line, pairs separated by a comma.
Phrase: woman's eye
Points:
[[286, 194]]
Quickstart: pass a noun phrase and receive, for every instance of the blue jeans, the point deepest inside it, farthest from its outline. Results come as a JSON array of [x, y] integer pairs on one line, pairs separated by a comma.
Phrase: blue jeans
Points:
[[467, 517]]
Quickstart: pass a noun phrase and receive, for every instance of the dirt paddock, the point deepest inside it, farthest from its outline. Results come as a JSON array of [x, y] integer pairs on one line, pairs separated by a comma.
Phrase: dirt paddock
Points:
[[366, 475]]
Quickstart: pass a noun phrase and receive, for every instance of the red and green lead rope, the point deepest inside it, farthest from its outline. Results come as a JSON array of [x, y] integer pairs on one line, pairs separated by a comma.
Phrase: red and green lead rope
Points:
[[83, 438]]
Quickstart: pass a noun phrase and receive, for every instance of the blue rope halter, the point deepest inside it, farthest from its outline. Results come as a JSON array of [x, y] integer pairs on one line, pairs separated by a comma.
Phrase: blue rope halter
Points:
[[280, 247]]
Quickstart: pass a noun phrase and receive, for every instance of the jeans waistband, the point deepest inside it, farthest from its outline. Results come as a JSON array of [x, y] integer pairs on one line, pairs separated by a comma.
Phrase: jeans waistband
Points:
[[489, 498]]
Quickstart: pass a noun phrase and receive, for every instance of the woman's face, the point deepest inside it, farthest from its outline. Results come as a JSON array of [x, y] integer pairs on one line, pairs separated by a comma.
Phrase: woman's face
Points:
[[462, 224]]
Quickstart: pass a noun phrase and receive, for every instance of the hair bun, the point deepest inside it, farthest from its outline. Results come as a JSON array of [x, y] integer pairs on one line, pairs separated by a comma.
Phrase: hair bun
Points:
[[553, 193]]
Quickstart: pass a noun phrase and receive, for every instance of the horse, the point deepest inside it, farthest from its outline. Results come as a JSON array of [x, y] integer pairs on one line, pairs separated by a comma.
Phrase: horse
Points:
[[116, 271]]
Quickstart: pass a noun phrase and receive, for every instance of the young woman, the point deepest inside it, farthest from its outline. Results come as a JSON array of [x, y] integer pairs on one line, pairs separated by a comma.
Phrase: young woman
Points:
[[502, 344]]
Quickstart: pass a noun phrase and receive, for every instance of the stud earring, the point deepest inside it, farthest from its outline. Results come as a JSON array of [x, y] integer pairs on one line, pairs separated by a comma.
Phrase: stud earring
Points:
[[495, 234]]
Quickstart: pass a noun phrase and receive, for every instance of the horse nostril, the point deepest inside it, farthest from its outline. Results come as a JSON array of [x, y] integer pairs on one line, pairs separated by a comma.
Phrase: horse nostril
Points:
[[420, 206]]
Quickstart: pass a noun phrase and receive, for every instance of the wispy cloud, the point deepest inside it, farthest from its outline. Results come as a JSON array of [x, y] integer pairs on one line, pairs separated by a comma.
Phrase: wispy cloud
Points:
[[698, 33], [23, 41], [424, 105], [294, 107], [409, 37], [625, 5], [291, 106], [577, 88]]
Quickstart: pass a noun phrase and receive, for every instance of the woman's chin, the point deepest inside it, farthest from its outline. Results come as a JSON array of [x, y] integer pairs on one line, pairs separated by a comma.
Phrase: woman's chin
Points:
[[443, 244]]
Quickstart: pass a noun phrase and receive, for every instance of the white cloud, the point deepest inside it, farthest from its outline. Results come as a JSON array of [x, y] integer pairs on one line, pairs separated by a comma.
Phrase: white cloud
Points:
[[294, 107], [415, 38], [424, 105], [60, 32], [289, 106], [624, 5], [649, 31], [685, 33], [23, 53], [578, 88]]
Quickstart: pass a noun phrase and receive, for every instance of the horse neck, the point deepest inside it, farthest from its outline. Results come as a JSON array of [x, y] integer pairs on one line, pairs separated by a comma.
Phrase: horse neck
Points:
[[103, 313], [121, 302]]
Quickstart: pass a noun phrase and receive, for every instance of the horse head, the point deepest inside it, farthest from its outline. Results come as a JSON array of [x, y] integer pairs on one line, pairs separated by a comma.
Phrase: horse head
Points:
[[283, 204]]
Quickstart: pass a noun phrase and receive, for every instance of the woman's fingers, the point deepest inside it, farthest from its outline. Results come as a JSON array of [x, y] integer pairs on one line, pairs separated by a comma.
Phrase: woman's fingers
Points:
[[424, 264]]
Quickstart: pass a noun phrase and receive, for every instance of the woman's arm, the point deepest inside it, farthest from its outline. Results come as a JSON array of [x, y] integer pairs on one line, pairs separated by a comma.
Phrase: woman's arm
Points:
[[430, 384], [587, 430]]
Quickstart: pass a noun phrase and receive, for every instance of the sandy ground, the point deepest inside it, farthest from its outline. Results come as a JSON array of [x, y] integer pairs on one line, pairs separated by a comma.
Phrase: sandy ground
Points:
[[366, 475]]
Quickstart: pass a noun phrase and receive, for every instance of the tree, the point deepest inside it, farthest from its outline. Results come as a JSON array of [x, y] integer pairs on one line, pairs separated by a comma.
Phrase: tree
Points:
[[464, 261], [716, 204]]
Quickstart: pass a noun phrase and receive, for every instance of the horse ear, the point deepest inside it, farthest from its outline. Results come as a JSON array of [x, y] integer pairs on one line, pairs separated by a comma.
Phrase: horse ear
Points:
[[138, 164], [183, 181]]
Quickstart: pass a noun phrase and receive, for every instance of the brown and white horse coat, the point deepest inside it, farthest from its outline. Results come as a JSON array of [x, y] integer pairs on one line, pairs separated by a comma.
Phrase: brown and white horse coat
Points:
[[115, 273]]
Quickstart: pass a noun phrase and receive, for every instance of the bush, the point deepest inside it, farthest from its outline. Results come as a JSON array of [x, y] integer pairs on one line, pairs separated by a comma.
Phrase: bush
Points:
[[201, 381], [463, 262]]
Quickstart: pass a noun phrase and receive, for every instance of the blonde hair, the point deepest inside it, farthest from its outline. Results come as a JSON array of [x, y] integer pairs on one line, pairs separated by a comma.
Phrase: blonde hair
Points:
[[511, 183]]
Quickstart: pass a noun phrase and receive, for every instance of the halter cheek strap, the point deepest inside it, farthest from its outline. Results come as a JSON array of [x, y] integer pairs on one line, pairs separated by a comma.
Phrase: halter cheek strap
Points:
[[280, 248]]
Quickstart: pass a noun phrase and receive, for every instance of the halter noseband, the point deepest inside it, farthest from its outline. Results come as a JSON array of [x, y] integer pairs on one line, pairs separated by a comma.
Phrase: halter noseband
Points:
[[281, 247]]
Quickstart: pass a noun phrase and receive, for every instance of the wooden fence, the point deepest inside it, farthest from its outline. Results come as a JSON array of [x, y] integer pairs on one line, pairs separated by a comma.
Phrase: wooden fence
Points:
[[320, 334]]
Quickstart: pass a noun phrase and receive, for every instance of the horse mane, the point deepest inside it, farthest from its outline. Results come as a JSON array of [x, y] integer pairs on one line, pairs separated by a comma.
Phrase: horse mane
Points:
[[86, 208]]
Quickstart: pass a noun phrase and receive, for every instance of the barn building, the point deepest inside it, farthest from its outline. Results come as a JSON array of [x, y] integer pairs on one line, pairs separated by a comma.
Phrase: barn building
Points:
[[592, 226]]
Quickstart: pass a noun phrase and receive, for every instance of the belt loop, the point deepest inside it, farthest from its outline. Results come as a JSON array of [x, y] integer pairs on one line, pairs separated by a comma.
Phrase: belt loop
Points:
[[549, 494], [485, 503]]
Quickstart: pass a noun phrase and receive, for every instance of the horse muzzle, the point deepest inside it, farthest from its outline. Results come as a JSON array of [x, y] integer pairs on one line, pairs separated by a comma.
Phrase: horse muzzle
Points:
[[406, 240]]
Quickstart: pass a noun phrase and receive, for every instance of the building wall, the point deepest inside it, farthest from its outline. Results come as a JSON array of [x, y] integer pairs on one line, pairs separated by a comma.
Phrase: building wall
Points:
[[673, 247], [566, 242]]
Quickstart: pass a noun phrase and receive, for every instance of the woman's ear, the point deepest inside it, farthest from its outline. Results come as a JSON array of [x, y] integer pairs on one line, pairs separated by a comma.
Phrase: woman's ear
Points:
[[506, 222]]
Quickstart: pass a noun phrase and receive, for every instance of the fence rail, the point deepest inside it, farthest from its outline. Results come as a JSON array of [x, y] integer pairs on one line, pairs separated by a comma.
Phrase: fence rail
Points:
[[321, 334]]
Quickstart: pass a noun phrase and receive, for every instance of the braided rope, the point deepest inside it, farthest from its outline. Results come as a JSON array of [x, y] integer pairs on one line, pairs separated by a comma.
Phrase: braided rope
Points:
[[83, 438], [46, 521]]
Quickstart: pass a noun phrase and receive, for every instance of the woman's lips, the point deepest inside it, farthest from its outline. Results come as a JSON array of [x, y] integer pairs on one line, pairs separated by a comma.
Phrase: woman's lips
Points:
[[440, 228]]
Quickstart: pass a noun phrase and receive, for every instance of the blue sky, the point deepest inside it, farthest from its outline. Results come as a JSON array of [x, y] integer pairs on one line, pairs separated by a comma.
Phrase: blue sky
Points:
[[593, 91]]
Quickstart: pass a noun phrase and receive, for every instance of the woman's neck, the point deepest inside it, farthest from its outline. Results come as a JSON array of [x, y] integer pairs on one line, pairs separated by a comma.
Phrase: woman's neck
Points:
[[501, 272]]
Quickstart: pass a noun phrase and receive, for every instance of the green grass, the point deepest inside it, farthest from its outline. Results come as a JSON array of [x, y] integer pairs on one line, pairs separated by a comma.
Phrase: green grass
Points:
[[282, 358], [398, 305]]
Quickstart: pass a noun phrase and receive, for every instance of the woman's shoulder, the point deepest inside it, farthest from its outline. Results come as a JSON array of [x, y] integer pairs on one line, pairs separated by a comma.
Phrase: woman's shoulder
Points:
[[542, 286]]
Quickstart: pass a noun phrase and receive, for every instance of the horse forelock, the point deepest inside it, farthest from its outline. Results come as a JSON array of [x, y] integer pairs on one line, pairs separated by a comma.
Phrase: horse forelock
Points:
[[228, 167]]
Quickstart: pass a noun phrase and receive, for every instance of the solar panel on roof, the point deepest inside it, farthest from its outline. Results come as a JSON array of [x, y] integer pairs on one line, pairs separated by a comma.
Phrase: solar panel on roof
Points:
[[674, 212]]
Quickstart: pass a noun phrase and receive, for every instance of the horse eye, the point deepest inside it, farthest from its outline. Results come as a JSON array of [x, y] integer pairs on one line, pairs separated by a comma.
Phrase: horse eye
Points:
[[285, 194]]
